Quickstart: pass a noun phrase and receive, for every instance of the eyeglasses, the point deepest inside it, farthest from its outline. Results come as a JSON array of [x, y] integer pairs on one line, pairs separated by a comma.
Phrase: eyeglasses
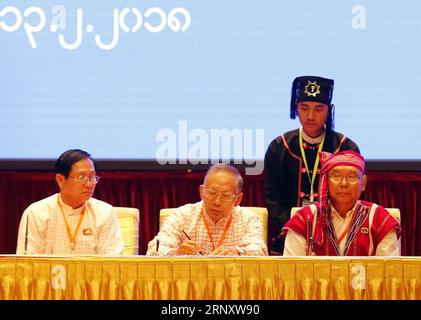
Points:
[[350, 179], [84, 179], [225, 196]]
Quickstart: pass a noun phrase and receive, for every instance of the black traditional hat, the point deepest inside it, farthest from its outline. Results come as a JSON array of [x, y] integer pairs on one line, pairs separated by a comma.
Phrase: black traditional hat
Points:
[[312, 88]]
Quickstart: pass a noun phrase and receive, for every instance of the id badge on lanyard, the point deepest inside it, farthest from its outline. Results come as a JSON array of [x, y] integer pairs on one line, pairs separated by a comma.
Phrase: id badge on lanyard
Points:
[[316, 165]]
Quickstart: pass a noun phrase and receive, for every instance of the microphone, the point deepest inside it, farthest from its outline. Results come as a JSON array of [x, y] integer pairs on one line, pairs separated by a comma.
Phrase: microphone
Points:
[[26, 234]]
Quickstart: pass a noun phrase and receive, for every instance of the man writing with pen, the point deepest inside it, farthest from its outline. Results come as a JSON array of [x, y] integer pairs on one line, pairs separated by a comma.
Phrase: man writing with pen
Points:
[[217, 225]]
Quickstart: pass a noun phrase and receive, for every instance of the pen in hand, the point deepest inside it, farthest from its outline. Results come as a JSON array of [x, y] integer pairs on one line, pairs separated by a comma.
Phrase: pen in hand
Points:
[[187, 236]]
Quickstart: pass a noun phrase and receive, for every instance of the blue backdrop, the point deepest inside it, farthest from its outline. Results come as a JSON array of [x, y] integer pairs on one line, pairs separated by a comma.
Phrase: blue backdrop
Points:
[[210, 80]]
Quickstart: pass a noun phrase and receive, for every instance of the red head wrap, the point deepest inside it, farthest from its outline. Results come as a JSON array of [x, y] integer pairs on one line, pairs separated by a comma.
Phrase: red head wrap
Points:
[[329, 161]]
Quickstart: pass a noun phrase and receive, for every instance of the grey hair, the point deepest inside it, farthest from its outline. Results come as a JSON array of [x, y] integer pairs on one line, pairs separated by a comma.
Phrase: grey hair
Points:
[[229, 169]]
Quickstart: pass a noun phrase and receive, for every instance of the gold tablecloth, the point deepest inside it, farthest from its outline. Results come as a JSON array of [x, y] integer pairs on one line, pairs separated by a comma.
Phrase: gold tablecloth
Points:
[[190, 278]]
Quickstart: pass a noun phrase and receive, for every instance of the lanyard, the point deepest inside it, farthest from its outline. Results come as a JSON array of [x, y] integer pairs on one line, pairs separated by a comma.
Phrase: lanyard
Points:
[[223, 234], [72, 237], [316, 163], [346, 230]]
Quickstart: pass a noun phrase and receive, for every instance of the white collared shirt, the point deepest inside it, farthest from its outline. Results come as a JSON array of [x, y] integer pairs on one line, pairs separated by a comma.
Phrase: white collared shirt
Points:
[[99, 232]]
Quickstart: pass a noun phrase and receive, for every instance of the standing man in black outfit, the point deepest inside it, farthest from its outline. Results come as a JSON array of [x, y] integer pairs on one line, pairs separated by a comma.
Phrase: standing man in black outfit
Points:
[[292, 161]]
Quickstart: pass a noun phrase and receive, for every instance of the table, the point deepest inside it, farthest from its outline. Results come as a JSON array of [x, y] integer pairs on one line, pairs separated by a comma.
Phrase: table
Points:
[[198, 278]]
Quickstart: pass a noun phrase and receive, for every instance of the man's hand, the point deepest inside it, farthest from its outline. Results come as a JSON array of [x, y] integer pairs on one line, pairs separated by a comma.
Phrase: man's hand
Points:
[[189, 247], [225, 251]]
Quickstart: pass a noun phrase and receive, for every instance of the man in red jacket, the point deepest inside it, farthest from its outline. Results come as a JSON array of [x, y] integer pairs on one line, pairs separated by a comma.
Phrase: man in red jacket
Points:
[[340, 224]]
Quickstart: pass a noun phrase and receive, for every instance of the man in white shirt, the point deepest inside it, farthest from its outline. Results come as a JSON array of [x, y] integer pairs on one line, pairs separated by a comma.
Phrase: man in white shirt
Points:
[[71, 222], [340, 224]]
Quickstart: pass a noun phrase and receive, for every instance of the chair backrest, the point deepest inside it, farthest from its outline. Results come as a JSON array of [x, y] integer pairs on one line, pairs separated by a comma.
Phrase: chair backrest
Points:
[[263, 217], [164, 214], [294, 210], [394, 212], [129, 224], [262, 212]]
